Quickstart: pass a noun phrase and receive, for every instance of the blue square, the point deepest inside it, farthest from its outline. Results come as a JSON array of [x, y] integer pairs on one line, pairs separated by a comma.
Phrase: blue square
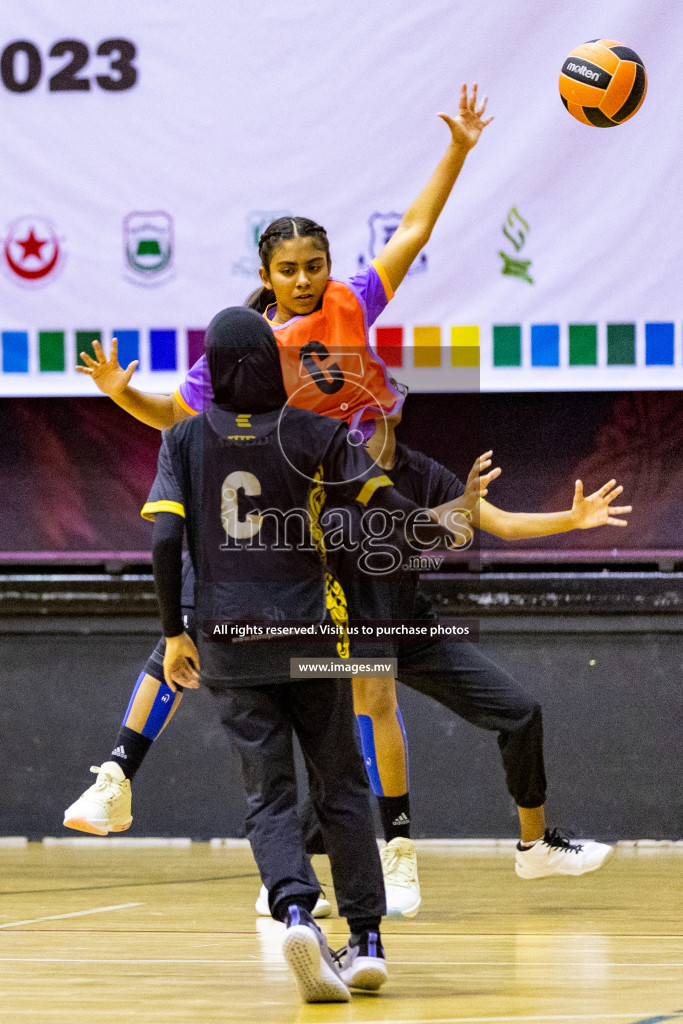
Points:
[[129, 346], [162, 346], [15, 351], [659, 344], [545, 344]]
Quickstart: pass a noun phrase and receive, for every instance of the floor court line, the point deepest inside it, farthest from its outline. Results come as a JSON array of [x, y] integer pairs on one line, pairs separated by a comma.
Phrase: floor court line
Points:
[[75, 913], [257, 958], [540, 936], [627, 1018], [631, 1017], [131, 885]]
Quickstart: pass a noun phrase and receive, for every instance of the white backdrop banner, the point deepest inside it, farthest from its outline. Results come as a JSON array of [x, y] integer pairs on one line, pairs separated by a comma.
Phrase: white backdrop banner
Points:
[[146, 145]]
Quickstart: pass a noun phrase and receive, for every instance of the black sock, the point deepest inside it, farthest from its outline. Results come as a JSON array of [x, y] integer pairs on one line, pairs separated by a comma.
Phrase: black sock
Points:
[[129, 750], [358, 925], [395, 814], [304, 901]]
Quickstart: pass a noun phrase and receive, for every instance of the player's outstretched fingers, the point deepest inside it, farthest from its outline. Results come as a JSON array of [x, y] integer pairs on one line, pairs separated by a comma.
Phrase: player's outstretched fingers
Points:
[[614, 512], [482, 462], [130, 370], [613, 494], [487, 479], [89, 362], [99, 352], [602, 491]]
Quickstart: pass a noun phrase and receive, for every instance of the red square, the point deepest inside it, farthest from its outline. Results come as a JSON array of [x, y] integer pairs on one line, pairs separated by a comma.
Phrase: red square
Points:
[[389, 344]]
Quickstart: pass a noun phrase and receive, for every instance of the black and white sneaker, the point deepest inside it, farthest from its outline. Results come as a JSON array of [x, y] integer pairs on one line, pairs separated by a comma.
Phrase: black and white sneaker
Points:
[[311, 960], [556, 854], [363, 964]]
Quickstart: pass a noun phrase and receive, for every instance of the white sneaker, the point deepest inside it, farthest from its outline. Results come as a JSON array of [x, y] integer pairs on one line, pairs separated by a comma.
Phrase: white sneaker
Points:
[[312, 961], [105, 807], [323, 907], [399, 867], [557, 855]]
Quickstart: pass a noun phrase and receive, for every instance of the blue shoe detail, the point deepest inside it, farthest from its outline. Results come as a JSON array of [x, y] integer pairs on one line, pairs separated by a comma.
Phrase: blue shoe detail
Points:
[[293, 916], [363, 964]]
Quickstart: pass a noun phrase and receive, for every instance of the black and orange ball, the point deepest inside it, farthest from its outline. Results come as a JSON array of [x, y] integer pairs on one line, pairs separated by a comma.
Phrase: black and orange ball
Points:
[[603, 83]]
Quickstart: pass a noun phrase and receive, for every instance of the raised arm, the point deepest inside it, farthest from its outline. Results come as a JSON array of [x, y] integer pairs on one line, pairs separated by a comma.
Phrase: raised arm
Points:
[[585, 513], [159, 411], [417, 222], [444, 525]]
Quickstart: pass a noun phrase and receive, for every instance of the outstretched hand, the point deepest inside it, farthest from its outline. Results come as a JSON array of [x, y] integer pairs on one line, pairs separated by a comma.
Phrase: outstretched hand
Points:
[[478, 481], [595, 510], [181, 662], [469, 124], [456, 515], [106, 372]]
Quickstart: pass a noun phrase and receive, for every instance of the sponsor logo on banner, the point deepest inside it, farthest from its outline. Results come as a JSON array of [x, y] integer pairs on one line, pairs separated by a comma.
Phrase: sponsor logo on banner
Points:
[[32, 253], [382, 227], [257, 222], [148, 247], [516, 229]]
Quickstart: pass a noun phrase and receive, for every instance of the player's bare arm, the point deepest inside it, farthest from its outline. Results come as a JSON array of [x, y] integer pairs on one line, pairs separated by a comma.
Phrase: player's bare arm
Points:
[[158, 411], [419, 219], [586, 513]]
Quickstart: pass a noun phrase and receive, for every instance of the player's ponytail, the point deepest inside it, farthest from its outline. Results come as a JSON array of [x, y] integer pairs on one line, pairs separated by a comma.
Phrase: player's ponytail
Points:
[[281, 230], [260, 299]]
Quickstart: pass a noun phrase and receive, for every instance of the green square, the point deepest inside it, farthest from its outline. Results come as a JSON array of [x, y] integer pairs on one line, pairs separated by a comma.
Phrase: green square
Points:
[[507, 345], [583, 345], [84, 340], [51, 350], [621, 344]]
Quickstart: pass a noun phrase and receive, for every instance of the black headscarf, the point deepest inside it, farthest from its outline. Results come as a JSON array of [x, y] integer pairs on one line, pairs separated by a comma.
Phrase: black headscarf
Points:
[[244, 362]]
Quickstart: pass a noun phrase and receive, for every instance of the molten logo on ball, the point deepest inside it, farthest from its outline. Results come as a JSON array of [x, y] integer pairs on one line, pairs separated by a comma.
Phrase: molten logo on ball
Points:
[[581, 69]]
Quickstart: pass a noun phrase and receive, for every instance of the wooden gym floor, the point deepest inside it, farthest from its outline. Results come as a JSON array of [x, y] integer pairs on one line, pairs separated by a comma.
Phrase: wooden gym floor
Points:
[[102, 933]]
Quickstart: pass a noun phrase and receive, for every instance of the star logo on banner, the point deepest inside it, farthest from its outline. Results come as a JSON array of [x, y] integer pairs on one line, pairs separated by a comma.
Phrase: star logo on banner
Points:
[[31, 245], [31, 250]]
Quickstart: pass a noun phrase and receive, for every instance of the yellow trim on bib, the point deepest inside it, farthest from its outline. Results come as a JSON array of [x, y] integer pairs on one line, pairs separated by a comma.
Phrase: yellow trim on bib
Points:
[[150, 509], [370, 486]]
